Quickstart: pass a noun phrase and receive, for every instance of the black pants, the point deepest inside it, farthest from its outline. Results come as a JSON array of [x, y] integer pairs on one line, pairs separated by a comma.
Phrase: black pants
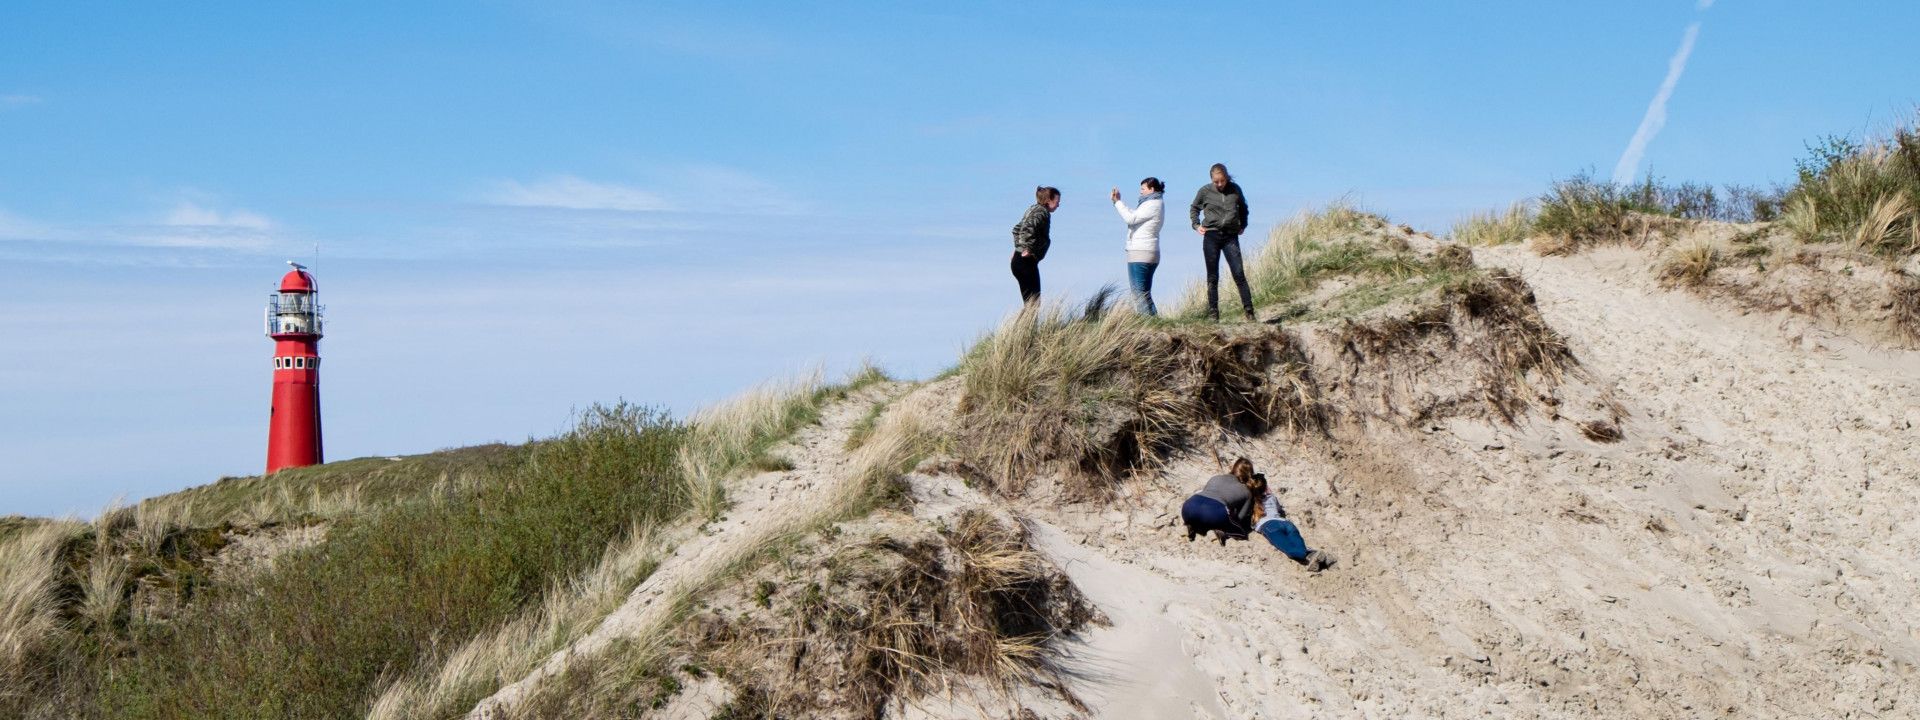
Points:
[[1026, 269], [1217, 244]]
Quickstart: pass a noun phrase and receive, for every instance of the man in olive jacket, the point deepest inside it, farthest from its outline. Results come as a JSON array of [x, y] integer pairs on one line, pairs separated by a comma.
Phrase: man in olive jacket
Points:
[[1219, 215], [1031, 238]]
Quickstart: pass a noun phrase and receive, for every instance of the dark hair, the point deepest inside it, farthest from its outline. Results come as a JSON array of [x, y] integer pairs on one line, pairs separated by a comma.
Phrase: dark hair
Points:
[[1222, 169], [1155, 184], [1044, 193]]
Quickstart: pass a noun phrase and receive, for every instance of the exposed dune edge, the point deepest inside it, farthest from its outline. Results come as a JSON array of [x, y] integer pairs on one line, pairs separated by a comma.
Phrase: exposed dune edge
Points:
[[1809, 287], [1740, 550]]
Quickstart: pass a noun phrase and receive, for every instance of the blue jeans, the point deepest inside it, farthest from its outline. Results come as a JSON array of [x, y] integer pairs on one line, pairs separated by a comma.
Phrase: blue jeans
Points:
[[1204, 515], [1285, 538], [1140, 275]]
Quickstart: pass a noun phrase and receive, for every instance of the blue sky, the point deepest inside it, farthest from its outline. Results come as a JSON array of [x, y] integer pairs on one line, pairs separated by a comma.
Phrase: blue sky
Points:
[[524, 208]]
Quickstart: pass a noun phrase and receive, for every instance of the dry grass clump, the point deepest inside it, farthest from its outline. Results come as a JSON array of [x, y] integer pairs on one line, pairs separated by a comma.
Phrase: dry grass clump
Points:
[[1054, 384], [32, 574], [154, 521], [104, 589], [1689, 264], [861, 624], [1490, 228], [1860, 193]]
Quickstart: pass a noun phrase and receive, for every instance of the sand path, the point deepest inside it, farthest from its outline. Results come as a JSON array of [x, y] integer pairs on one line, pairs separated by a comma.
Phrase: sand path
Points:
[[763, 508]]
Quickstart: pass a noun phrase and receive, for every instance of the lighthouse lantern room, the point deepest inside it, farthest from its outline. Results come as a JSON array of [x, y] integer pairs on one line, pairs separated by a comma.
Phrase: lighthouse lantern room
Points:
[[294, 318]]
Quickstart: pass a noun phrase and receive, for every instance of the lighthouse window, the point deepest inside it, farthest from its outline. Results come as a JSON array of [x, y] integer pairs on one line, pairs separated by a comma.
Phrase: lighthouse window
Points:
[[300, 363]]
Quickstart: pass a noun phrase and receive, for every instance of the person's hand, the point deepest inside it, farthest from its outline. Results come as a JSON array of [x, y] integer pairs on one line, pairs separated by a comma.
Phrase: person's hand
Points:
[[1026, 253], [1116, 194], [1199, 230]]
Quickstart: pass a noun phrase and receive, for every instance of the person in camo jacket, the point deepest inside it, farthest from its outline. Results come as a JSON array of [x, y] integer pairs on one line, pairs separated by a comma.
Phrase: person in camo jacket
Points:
[[1219, 215], [1031, 238]]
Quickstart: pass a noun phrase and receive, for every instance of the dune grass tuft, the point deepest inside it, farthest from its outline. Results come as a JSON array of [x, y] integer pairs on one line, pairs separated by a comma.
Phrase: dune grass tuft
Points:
[[1860, 193], [31, 575], [1491, 228], [1690, 263], [1035, 387]]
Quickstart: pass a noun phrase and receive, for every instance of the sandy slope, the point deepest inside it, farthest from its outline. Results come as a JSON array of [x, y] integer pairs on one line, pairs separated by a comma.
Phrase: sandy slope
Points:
[[1745, 551]]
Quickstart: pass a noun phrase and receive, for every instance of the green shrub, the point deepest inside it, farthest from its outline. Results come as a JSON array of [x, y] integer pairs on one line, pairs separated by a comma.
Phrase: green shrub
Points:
[[1859, 193], [400, 587]]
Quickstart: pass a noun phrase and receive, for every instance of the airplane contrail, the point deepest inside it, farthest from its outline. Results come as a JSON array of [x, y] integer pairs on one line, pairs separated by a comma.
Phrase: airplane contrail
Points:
[[1656, 116]]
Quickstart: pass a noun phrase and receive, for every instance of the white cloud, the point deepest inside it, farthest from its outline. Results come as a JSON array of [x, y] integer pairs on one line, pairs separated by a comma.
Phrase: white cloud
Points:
[[14, 101], [573, 193], [188, 214], [1704, 4], [1656, 117], [192, 225]]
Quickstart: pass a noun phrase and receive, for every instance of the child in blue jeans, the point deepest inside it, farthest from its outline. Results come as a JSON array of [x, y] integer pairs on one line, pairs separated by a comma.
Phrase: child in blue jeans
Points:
[[1270, 521]]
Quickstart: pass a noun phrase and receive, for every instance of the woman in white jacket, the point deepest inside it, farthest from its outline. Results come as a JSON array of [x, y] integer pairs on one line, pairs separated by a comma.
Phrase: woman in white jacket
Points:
[[1143, 239]]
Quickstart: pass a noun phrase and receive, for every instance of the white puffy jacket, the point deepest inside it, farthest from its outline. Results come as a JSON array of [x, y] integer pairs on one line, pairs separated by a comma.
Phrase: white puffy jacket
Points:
[[1143, 228]]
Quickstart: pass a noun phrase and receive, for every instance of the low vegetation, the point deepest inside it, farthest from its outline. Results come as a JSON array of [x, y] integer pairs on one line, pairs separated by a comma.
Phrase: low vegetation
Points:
[[723, 442], [465, 567], [1491, 228], [632, 676], [291, 643], [1861, 194], [1851, 206], [735, 436], [322, 492]]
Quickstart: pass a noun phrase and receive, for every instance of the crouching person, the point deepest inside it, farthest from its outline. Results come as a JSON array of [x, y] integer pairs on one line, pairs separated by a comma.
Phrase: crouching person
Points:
[[1223, 507]]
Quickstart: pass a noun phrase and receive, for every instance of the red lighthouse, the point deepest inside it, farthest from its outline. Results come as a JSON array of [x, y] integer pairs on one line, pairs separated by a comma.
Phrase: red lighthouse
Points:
[[293, 321]]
